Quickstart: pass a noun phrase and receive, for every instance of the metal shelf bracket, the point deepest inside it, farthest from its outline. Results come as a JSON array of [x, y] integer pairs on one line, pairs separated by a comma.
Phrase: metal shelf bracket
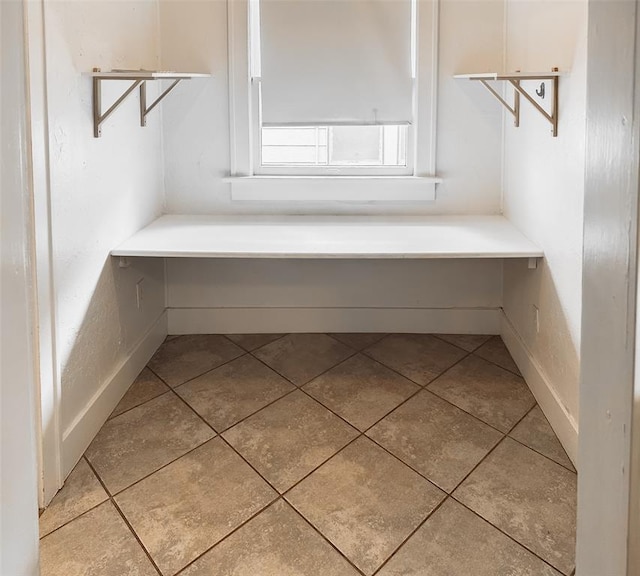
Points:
[[515, 80], [139, 79]]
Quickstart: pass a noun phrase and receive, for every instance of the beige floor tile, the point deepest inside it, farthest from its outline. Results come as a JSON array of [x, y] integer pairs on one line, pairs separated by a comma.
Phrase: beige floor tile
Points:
[[301, 357], [185, 357], [288, 439], [495, 351], [535, 432], [455, 542], [251, 342], [361, 390], [277, 542], [184, 509], [365, 502], [529, 497], [138, 442], [358, 341], [491, 393], [81, 492], [234, 391], [468, 342], [420, 357], [435, 438], [96, 544], [146, 386]]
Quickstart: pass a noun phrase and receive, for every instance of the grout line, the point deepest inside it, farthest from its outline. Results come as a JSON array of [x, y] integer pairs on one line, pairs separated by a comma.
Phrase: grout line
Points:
[[325, 538], [299, 386], [258, 348], [489, 336], [124, 518], [512, 538], [203, 373], [236, 529], [332, 335], [420, 525]]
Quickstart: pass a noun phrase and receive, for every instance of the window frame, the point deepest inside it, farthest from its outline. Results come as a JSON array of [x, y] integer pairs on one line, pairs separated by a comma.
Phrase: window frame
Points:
[[244, 98]]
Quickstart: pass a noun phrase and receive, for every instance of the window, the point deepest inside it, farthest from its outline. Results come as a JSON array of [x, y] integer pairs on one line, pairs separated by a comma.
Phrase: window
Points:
[[333, 88]]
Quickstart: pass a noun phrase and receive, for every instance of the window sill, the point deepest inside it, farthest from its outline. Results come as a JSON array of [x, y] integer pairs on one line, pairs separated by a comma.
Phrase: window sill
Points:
[[353, 189]]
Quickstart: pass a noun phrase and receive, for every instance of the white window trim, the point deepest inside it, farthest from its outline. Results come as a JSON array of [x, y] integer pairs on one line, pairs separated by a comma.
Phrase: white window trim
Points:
[[246, 185]]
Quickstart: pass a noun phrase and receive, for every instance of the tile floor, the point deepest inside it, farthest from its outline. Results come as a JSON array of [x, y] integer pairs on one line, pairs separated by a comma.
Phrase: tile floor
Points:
[[319, 455]]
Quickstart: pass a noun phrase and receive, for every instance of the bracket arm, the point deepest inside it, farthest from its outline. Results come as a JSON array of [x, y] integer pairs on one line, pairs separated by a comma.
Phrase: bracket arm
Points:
[[144, 109], [551, 118], [98, 117]]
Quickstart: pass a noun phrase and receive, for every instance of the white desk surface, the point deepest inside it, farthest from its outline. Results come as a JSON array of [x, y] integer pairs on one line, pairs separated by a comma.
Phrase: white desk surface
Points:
[[354, 237]]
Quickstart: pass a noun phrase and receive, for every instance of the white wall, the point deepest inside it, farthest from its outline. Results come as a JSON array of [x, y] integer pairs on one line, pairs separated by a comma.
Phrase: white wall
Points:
[[19, 489], [196, 145], [543, 196], [102, 191]]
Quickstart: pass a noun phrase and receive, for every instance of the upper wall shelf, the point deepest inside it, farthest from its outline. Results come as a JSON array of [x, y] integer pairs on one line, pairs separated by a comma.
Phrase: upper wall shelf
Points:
[[514, 78], [139, 79]]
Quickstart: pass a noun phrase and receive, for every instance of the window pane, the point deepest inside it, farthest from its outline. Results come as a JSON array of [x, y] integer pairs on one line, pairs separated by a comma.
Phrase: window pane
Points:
[[355, 145], [335, 145]]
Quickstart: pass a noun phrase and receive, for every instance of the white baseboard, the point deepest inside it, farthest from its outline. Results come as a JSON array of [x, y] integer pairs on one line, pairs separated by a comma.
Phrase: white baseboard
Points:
[[275, 320], [77, 437], [563, 424]]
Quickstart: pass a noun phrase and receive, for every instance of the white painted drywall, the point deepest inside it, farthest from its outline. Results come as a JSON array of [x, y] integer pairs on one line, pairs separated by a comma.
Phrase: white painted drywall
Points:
[[544, 191], [197, 158], [19, 492], [102, 191]]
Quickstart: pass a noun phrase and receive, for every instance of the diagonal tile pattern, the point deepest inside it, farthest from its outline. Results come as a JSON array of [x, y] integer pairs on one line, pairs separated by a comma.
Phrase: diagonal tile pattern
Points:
[[361, 390], [289, 438], [365, 502], [419, 357], [178, 512], [489, 392], [435, 438], [301, 357], [341, 454]]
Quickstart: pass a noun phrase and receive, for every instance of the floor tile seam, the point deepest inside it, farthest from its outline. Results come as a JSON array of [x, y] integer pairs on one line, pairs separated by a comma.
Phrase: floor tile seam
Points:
[[541, 454], [228, 444], [355, 353], [138, 405], [536, 405], [226, 536], [322, 535], [385, 334], [504, 435], [439, 337], [423, 475], [518, 374], [225, 430], [414, 393], [244, 459], [504, 533], [283, 494], [172, 461], [107, 498], [477, 418], [244, 353], [249, 351], [438, 375], [413, 532], [124, 518]]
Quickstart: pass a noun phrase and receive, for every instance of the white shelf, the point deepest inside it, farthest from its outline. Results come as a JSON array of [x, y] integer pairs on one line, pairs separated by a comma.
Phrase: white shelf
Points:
[[329, 237], [146, 75], [509, 75]]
